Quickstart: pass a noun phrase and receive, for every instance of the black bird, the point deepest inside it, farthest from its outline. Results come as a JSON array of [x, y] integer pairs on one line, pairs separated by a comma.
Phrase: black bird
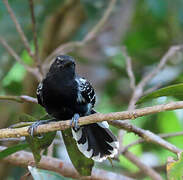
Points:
[[66, 95]]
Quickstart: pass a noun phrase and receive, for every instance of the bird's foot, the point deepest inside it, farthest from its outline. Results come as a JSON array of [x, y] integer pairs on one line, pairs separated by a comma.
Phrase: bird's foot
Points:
[[33, 127], [75, 121]]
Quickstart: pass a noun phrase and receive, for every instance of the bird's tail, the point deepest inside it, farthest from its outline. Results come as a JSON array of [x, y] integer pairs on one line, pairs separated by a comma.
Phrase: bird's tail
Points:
[[96, 141]]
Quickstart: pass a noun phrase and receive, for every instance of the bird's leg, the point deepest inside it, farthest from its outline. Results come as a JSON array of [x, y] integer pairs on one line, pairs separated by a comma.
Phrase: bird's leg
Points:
[[75, 121], [34, 126]]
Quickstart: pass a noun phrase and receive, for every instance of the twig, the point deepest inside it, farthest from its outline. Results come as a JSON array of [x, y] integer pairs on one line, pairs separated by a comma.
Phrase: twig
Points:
[[140, 174], [36, 55], [62, 49], [167, 135], [140, 87], [92, 34], [70, 46], [144, 168], [172, 51], [18, 28], [20, 99], [147, 135], [14, 54], [150, 90], [12, 139], [50, 150], [33, 71], [129, 69], [99, 117], [23, 159], [132, 85]]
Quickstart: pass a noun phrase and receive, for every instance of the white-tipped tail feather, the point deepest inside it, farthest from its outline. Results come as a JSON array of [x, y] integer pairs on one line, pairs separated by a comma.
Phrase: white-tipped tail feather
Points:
[[96, 141]]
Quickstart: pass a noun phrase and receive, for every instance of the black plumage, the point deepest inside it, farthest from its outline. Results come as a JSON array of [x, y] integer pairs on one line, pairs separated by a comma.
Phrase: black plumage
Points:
[[66, 95]]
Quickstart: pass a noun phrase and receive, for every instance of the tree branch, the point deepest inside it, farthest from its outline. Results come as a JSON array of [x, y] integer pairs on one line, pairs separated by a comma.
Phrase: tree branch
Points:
[[99, 117], [70, 46], [18, 28], [143, 167], [167, 135], [97, 28], [36, 54], [20, 99], [23, 159], [138, 92], [33, 71], [129, 69], [147, 135]]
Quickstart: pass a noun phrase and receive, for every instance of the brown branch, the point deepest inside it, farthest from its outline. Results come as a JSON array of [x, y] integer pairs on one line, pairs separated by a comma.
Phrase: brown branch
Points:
[[62, 49], [36, 55], [33, 71], [23, 159], [97, 28], [99, 117], [18, 28], [129, 69], [20, 99], [147, 135], [140, 174], [138, 92], [70, 46], [14, 54], [143, 167], [167, 135], [171, 52]]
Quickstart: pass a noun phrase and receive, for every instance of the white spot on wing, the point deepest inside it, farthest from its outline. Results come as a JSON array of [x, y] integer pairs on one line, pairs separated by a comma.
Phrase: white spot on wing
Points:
[[103, 124], [80, 97], [97, 158], [77, 135], [80, 88], [88, 154], [114, 144], [83, 148], [39, 88], [82, 80]]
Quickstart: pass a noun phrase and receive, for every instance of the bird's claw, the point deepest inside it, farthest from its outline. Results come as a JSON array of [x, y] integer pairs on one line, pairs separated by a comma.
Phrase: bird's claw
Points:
[[32, 129], [75, 121]]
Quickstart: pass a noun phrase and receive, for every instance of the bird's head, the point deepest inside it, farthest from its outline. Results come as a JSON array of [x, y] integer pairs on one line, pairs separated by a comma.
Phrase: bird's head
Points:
[[63, 63]]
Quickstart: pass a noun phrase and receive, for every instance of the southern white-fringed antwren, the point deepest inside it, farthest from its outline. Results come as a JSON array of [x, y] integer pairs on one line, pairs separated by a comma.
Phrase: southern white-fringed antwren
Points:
[[66, 95]]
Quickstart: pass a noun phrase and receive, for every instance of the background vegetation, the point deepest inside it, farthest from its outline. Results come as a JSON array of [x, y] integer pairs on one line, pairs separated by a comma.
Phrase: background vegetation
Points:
[[147, 28]]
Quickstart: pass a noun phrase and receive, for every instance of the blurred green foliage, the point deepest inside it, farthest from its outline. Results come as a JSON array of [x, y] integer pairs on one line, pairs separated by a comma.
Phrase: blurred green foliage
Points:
[[155, 26], [39, 174]]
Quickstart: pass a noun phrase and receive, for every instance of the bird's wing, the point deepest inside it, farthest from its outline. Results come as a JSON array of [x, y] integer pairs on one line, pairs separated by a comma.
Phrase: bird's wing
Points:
[[40, 94], [86, 92]]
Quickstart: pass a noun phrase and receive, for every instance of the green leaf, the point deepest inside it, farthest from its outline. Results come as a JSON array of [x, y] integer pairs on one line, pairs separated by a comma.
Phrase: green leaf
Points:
[[13, 149], [173, 90], [26, 58], [26, 118], [175, 169], [16, 74], [40, 174], [82, 164], [45, 117], [37, 143], [168, 122]]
